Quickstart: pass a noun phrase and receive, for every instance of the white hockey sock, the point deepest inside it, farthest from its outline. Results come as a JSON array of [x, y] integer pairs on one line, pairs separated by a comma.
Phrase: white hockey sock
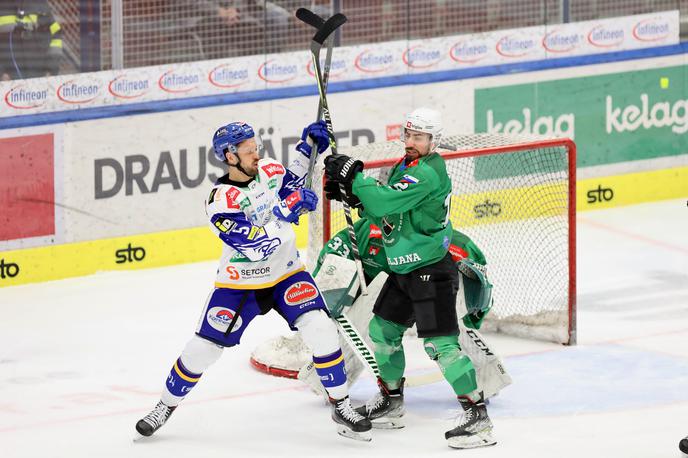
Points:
[[320, 333]]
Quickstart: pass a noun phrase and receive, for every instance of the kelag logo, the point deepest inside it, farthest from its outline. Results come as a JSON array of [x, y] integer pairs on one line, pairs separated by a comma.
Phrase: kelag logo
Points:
[[226, 76], [510, 46], [604, 37], [651, 30], [487, 209], [23, 97], [126, 87], [78, 92], [561, 43], [273, 71], [373, 62], [130, 254], [468, 52], [177, 82], [8, 269], [421, 57], [648, 115], [600, 195], [563, 125]]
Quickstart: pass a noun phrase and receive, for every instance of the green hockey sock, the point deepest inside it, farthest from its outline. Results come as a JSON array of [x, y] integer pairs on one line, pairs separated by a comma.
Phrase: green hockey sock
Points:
[[456, 367], [389, 352]]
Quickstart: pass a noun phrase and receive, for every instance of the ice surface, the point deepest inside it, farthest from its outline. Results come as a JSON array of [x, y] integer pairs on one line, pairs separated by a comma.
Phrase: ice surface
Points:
[[82, 359]]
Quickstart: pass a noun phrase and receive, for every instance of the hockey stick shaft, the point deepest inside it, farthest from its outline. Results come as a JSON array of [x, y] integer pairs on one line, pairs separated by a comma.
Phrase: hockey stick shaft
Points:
[[316, 21], [316, 44], [367, 357]]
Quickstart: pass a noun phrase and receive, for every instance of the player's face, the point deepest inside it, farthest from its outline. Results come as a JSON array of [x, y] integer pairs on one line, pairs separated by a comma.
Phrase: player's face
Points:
[[417, 144], [248, 152]]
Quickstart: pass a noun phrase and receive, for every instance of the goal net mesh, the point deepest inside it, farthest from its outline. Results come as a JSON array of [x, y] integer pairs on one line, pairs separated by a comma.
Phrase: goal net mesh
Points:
[[514, 196]]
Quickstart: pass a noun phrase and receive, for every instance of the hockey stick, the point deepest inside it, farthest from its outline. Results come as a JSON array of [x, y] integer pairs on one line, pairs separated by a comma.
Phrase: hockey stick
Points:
[[316, 44], [317, 22]]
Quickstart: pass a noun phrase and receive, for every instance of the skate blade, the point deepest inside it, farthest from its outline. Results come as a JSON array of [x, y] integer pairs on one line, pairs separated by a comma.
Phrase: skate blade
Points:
[[481, 439], [388, 423], [365, 436]]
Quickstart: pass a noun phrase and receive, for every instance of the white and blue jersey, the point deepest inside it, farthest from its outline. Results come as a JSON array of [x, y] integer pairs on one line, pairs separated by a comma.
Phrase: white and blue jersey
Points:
[[260, 268], [258, 250]]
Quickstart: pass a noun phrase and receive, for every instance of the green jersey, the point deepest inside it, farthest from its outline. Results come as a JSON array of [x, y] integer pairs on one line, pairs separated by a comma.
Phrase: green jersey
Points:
[[370, 246], [412, 211]]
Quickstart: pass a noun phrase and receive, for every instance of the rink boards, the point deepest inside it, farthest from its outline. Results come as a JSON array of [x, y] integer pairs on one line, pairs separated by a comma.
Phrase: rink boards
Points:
[[96, 194]]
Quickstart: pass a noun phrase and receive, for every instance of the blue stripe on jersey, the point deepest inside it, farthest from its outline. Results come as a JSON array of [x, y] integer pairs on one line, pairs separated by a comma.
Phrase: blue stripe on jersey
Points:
[[249, 240], [290, 183]]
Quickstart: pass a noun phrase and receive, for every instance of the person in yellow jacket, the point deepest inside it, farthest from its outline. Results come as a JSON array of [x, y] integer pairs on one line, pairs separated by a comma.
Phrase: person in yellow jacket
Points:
[[30, 40]]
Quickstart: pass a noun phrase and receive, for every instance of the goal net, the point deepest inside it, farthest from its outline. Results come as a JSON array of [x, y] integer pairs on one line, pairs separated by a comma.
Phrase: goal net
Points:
[[514, 196]]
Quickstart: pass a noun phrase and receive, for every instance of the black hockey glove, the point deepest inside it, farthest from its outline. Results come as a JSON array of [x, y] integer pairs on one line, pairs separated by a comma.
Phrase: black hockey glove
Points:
[[342, 168], [333, 192]]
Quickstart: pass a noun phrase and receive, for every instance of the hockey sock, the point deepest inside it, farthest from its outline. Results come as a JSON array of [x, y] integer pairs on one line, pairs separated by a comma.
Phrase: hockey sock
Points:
[[179, 383], [388, 349], [456, 367], [330, 369]]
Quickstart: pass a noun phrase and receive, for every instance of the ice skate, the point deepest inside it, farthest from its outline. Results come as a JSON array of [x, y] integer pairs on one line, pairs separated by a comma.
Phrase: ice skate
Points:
[[350, 423], [472, 428], [154, 420], [386, 409]]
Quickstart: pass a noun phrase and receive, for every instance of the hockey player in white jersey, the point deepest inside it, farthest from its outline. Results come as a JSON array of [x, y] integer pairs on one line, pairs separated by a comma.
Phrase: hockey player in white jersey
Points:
[[251, 210]]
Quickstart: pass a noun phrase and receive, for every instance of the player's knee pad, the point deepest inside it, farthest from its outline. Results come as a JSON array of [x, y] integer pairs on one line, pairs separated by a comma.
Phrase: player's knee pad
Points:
[[455, 365], [386, 335], [199, 354], [318, 332]]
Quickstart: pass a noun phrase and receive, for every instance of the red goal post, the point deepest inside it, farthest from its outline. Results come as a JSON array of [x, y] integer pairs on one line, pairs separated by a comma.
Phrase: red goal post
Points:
[[515, 196]]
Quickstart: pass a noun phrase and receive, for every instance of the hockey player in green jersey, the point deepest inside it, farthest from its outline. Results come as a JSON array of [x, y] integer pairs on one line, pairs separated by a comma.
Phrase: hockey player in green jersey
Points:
[[468, 258], [412, 211]]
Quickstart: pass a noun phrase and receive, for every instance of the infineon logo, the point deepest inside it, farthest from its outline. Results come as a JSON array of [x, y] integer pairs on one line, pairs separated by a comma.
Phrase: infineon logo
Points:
[[273, 71], [337, 67], [176, 82], [605, 37], [373, 62], [78, 92], [555, 41], [468, 52], [421, 57], [227, 76], [22, 97], [510, 46], [126, 87], [653, 29]]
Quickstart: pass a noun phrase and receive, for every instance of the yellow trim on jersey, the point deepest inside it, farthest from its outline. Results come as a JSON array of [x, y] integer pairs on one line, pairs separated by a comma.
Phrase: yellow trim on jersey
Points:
[[329, 364], [54, 28], [258, 285], [184, 376]]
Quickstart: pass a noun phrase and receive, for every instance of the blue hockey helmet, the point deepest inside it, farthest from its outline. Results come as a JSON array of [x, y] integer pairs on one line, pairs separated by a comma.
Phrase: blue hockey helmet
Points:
[[228, 138]]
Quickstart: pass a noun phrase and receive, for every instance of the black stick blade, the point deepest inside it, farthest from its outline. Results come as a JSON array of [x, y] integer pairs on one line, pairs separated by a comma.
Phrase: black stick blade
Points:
[[309, 17], [328, 27]]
